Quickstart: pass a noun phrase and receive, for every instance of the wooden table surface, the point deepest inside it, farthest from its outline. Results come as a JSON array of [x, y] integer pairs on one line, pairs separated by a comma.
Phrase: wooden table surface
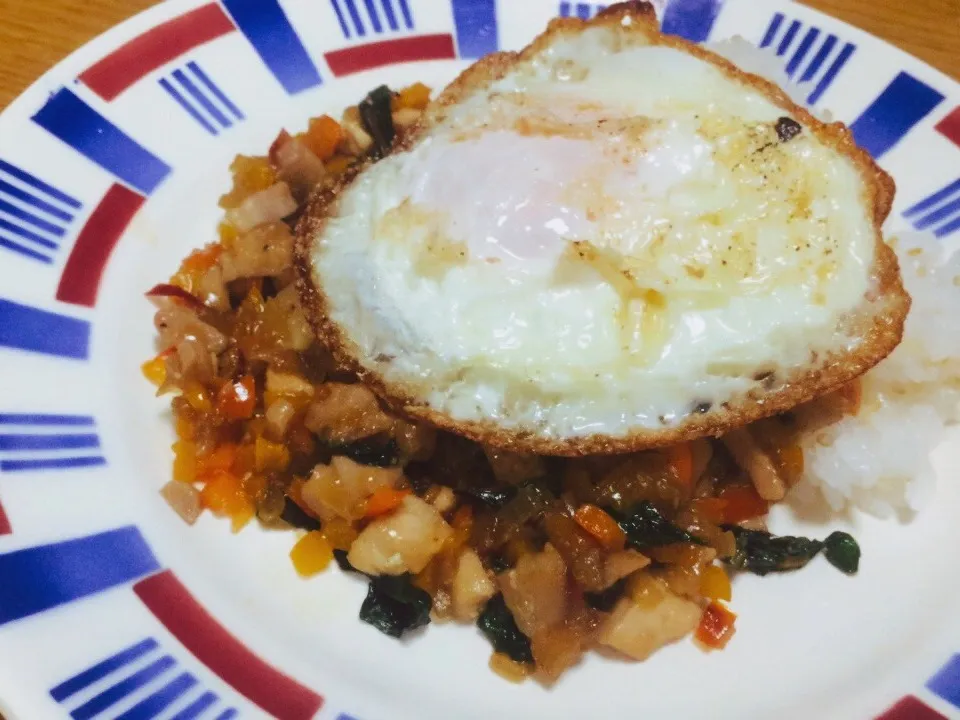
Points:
[[34, 35]]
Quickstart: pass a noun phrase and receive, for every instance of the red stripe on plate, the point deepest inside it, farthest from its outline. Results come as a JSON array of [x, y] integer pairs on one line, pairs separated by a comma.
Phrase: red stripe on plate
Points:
[[910, 708], [5, 528], [373, 55], [88, 259], [949, 127], [155, 48], [202, 635]]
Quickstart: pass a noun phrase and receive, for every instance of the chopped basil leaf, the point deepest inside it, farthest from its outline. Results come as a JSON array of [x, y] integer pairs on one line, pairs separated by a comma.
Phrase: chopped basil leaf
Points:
[[394, 605], [497, 623]]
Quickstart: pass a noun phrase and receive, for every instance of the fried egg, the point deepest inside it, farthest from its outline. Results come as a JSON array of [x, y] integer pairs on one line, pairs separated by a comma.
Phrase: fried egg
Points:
[[610, 241]]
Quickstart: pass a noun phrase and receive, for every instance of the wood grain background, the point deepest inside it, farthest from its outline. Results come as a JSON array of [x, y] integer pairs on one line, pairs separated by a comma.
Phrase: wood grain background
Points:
[[35, 34]]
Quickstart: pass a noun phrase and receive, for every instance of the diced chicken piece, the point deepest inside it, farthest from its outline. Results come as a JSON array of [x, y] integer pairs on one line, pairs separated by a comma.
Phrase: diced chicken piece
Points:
[[261, 252], [296, 164], [404, 541], [555, 650], [184, 499], [285, 314], [621, 564], [535, 590], [638, 629], [282, 383], [472, 586], [445, 500], [514, 468], [346, 413], [212, 290], [176, 323], [279, 415], [266, 206], [358, 140], [341, 488], [752, 458]]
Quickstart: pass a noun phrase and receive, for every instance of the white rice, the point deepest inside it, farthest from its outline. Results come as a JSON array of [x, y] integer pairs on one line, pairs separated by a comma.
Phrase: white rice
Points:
[[879, 460]]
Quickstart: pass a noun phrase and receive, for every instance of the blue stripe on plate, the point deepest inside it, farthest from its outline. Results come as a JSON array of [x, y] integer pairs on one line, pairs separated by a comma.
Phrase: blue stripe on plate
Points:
[[35, 182], [46, 576], [74, 122], [407, 15], [22, 232], [197, 707], [44, 419], [28, 198], [215, 90], [946, 683], [266, 26], [801, 53], [374, 17], [191, 87], [390, 14], [71, 463], [25, 251], [228, 714], [788, 37], [691, 19], [185, 104], [344, 28], [476, 25], [160, 700], [99, 671], [830, 75], [934, 199], [27, 328], [901, 105], [772, 29], [123, 689], [31, 219], [48, 442]]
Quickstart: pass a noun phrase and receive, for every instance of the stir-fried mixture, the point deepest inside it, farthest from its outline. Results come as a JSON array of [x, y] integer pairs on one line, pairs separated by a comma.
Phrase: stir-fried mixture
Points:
[[548, 556]]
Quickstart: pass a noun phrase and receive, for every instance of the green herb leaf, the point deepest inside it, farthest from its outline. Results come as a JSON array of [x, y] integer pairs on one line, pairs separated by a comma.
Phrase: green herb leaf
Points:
[[760, 552], [377, 116], [497, 623], [394, 605], [842, 551], [377, 451], [645, 528]]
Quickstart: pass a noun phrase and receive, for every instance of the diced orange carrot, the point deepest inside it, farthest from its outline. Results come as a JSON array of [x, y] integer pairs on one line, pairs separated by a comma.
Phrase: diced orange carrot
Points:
[[270, 456], [384, 500], [184, 461], [228, 234], [790, 462], [220, 460], [509, 669], [716, 626], [715, 583], [601, 526], [742, 503], [186, 428], [312, 554], [198, 397], [681, 461], [323, 136], [711, 509], [414, 96], [339, 533], [223, 495], [338, 164], [250, 175], [237, 401], [195, 267], [155, 370]]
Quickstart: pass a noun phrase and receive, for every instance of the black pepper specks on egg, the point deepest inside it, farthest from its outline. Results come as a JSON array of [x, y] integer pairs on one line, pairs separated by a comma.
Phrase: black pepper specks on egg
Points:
[[787, 129]]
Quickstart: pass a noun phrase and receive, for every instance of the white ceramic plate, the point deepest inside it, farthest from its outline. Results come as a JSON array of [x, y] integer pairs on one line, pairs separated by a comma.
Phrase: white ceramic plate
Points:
[[110, 168]]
